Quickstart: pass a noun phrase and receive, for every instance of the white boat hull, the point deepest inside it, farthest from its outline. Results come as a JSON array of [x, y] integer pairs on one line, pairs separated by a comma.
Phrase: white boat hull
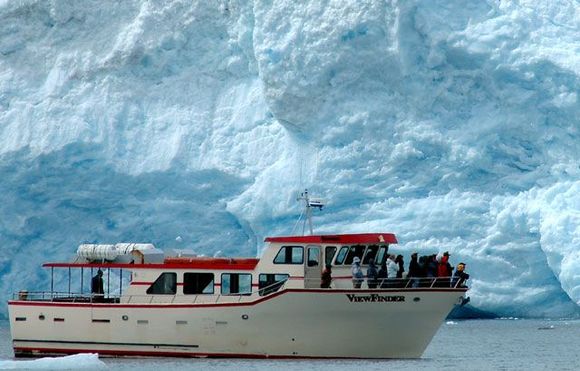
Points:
[[292, 323]]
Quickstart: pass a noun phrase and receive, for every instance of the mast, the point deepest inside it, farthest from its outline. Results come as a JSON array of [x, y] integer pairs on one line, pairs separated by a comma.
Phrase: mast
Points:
[[309, 204]]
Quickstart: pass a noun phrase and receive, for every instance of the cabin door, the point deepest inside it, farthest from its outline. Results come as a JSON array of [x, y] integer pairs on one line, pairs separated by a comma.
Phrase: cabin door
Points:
[[312, 267]]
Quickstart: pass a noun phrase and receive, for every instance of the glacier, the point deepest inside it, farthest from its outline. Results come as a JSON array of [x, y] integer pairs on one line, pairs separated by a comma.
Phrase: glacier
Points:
[[195, 124]]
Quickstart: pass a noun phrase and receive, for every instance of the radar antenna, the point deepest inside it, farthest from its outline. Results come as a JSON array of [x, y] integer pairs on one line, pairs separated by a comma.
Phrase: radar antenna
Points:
[[309, 204]]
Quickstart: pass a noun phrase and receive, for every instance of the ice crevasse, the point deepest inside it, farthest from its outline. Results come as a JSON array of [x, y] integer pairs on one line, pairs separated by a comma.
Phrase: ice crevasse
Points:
[[195, 124]]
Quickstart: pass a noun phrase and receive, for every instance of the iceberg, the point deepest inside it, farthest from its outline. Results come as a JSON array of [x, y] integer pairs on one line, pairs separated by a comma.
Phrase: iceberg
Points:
[[196, 124], [75, 362]]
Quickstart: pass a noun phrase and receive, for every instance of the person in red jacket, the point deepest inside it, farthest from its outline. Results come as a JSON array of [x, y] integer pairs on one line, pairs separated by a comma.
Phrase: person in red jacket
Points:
[[444, 270]]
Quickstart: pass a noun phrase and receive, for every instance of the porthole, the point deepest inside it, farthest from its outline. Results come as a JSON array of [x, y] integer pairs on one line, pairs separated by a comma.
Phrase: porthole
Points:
[[245, 316], [416, 299], [125, 317], [41, 317]]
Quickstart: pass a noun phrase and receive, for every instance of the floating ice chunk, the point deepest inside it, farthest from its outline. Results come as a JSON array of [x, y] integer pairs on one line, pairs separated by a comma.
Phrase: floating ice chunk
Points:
[[74, 362]]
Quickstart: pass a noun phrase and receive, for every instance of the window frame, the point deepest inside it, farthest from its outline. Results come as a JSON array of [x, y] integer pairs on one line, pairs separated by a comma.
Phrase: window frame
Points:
[[384, 248], [310, 263], [199, 293], [338, 254], [289, 255], [366, 258], [326, 259], [235, 293], [352, 252], [163, 274], [273, 288]]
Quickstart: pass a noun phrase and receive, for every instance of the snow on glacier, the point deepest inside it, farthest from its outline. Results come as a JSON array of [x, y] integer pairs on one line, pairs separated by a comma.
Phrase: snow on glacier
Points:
[[195, 124]]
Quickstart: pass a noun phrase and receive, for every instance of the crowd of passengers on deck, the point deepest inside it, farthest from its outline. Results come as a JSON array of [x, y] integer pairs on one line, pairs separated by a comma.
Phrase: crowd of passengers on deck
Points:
[[425, 271]]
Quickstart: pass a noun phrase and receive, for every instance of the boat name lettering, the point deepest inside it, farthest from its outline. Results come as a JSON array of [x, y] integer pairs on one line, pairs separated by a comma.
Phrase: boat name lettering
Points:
[[373, 298]]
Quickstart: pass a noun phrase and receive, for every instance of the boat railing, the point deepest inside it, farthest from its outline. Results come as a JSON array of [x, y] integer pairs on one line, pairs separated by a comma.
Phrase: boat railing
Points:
[[70, 297], [400, 283], [207, 298]]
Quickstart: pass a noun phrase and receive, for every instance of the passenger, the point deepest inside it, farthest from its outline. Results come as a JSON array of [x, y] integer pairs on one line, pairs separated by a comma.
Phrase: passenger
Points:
[[97, 286], [401, 263], [423, 265], [326, 278], [444, 270], [414, 270], [382, 275], [392, 269], [432, 266], [357, 274], [372, 275], [460, 276]]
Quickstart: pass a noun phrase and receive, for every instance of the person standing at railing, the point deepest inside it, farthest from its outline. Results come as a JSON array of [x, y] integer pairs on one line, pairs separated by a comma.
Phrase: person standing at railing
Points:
[[432, 266], [97, 286], [392, 269], [383, 275], [326, 278], [372, 275], [357, 274], [444, 270], [460, 276], [414, 270], [401, 263]]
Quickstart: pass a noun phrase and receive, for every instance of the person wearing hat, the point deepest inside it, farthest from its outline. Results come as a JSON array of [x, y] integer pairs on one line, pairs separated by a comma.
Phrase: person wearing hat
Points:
[[357, 274], [97, 285]]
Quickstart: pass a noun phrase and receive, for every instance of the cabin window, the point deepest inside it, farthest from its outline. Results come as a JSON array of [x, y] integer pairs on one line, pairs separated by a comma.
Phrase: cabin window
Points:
[[355, 250], [329, 252], [269, 283], [236, 283], [381, 255], [165, 284], [371, 254], [197, 283], [313, 256], [290, 255], [341, 255]]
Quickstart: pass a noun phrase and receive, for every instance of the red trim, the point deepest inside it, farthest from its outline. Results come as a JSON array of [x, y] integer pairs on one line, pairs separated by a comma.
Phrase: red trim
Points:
[[209, 305], [169, 264], [108, 352], [360, 238]]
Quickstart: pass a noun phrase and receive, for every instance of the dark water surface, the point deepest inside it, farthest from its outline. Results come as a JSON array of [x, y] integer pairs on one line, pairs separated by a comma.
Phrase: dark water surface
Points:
[[508, 344]]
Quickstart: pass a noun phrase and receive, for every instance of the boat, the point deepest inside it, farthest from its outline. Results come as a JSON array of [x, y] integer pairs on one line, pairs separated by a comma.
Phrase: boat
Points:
[[154, 304]]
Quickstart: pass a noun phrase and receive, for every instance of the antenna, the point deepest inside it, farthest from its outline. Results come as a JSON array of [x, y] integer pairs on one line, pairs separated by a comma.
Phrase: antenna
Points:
[[309, 204]]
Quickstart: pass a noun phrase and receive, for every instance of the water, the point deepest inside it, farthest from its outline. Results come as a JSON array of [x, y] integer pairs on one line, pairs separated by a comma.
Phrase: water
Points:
[[508, 344]]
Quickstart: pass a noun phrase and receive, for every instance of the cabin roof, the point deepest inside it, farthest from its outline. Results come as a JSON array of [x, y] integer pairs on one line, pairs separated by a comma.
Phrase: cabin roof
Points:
[[172, 263], [360, 238]]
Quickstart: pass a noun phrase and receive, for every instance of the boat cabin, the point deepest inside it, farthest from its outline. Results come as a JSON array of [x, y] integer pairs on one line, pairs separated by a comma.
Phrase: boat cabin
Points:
[[137, 273]]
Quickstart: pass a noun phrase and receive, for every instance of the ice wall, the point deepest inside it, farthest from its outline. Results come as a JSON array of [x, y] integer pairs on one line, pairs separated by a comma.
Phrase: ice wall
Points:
[[196, 123]]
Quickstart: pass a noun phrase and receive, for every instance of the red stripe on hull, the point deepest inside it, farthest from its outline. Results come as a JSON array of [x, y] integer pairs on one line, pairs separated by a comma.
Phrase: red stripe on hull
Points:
[[42, 352]]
